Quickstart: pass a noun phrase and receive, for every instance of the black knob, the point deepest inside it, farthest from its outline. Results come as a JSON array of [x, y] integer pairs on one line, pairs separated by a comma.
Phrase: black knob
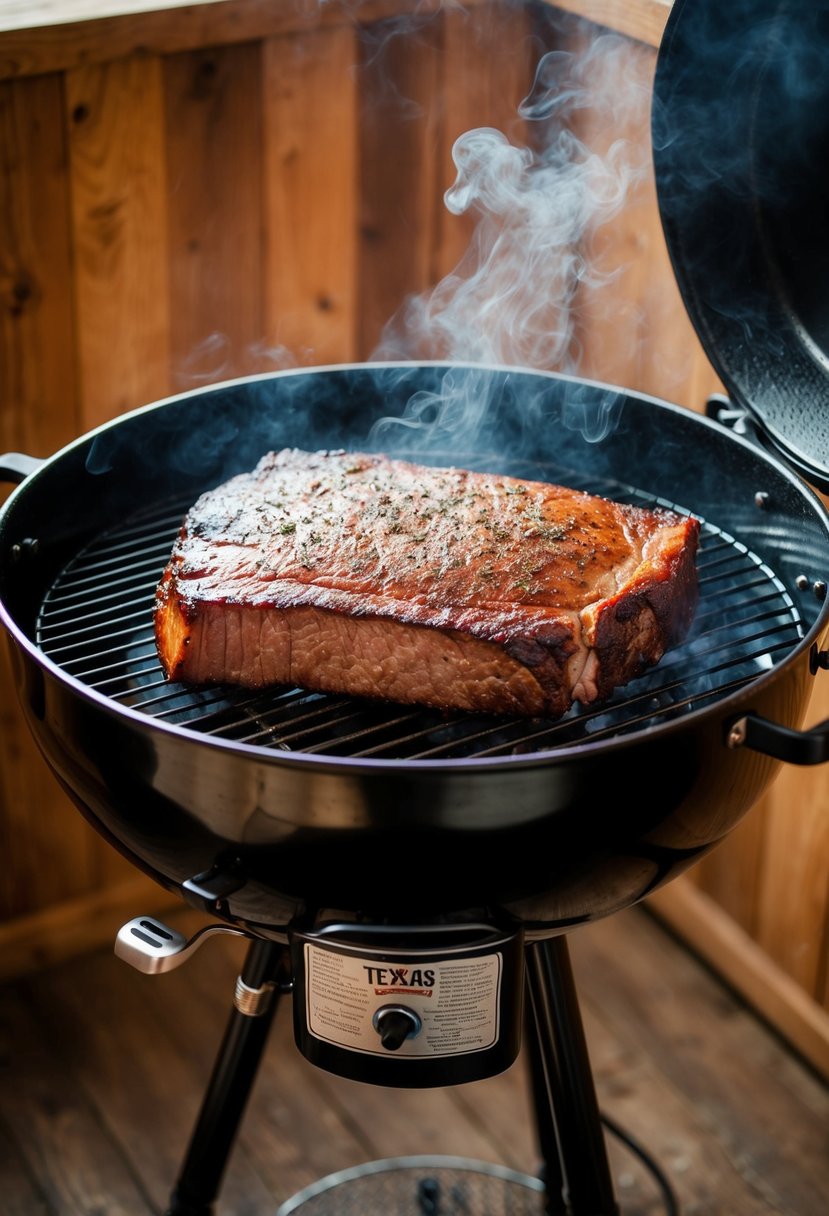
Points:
[[395, 1024]]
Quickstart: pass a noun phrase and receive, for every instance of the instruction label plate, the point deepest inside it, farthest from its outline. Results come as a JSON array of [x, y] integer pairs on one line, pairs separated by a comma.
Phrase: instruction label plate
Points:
[[457, 1000]]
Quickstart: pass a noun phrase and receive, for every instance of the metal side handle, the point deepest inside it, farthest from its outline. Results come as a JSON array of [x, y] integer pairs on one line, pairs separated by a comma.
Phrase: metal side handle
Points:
[[16, 467], [151, 946], [781, 742]]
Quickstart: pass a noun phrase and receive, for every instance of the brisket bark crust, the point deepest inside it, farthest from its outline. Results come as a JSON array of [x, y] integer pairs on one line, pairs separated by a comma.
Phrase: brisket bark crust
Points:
[[353, 573]]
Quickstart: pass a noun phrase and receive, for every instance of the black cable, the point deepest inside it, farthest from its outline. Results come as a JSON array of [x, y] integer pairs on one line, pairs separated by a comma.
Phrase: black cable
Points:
[[661, 1179]]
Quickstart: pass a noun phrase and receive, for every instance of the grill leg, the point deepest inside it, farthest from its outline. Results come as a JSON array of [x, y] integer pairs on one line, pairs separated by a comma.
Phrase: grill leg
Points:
[[230, 1083], [545, 1123], [569, 1124]]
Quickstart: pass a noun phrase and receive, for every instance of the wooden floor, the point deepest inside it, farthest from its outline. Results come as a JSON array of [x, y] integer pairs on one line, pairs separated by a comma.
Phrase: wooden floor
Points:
[[102, 1070]]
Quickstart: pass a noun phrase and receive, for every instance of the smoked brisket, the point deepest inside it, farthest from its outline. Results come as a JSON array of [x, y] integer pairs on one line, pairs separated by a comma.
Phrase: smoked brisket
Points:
[[352, 573]]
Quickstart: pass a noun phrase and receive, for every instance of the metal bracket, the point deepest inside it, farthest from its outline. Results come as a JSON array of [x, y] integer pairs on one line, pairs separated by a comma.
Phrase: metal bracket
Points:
[[732, 417], [254, 1002], [209, 890]]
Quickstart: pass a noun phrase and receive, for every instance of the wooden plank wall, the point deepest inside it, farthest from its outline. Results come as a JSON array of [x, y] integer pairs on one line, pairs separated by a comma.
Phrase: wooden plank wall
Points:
[[194, 195]]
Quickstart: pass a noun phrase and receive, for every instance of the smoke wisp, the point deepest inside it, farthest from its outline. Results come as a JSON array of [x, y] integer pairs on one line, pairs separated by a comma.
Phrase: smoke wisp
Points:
[[515, 295], [511, 299]]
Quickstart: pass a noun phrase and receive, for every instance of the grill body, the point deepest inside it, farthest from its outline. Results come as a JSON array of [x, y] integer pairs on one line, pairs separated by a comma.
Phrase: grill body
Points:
[[589, 835], [547, 824]]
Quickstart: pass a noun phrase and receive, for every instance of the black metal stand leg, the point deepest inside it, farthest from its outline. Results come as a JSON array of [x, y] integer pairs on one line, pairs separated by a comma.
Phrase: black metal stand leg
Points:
[[545, 1123], [570, 1127], [231, 1082]]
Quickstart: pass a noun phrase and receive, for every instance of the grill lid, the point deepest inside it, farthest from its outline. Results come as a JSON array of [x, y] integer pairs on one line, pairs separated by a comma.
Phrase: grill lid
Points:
[[740, 130]]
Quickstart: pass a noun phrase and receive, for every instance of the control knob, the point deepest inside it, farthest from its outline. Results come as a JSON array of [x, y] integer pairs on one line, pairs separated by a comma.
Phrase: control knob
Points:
[[395, 1024]]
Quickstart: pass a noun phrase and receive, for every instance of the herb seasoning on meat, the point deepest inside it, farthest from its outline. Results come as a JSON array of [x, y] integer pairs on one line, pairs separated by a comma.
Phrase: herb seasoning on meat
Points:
[[360, 574]]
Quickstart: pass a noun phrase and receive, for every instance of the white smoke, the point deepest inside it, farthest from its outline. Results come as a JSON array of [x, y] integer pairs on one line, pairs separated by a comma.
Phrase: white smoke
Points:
[[514, 297]]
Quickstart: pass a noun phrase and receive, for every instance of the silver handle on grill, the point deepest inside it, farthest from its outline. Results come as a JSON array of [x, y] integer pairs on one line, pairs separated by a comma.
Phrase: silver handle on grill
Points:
[[151, 946], [16, 467]]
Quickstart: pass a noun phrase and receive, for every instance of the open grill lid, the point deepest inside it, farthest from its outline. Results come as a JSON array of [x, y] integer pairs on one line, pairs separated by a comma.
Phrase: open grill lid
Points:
[[740, 129]]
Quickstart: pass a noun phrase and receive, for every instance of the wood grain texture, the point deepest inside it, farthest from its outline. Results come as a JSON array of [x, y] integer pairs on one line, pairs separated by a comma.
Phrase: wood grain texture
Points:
[[49, 853], [167, 29], [74, 926], [643, 20], [29, 14], [401, 102], [748, 967], [33, 47], [630, 323], [648, 994], [795, 931], [37, 353], [310, 165], [213, 146], [71, 1175], [490, 61], [119, 235], [770, 874]]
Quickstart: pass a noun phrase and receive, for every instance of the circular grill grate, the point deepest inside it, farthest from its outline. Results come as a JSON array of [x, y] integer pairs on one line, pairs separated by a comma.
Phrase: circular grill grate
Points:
[[96, 624]]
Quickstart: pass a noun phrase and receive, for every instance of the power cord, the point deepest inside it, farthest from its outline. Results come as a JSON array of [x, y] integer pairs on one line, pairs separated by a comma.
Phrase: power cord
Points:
[[654, 1169]]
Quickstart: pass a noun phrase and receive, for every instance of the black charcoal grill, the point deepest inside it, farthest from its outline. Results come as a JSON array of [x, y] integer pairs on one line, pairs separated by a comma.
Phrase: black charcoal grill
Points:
[[411, 876]]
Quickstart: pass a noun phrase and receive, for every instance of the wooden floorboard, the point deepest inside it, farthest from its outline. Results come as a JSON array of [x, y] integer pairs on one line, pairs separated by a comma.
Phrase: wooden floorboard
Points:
[[102, 1071]]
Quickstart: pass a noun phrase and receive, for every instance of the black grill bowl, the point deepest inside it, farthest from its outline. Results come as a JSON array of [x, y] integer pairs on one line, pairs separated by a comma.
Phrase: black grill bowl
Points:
[[288, 803]]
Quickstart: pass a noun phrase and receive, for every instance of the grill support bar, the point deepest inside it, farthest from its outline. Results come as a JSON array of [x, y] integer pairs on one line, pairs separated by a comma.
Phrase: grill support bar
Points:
[[230, 1084]]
